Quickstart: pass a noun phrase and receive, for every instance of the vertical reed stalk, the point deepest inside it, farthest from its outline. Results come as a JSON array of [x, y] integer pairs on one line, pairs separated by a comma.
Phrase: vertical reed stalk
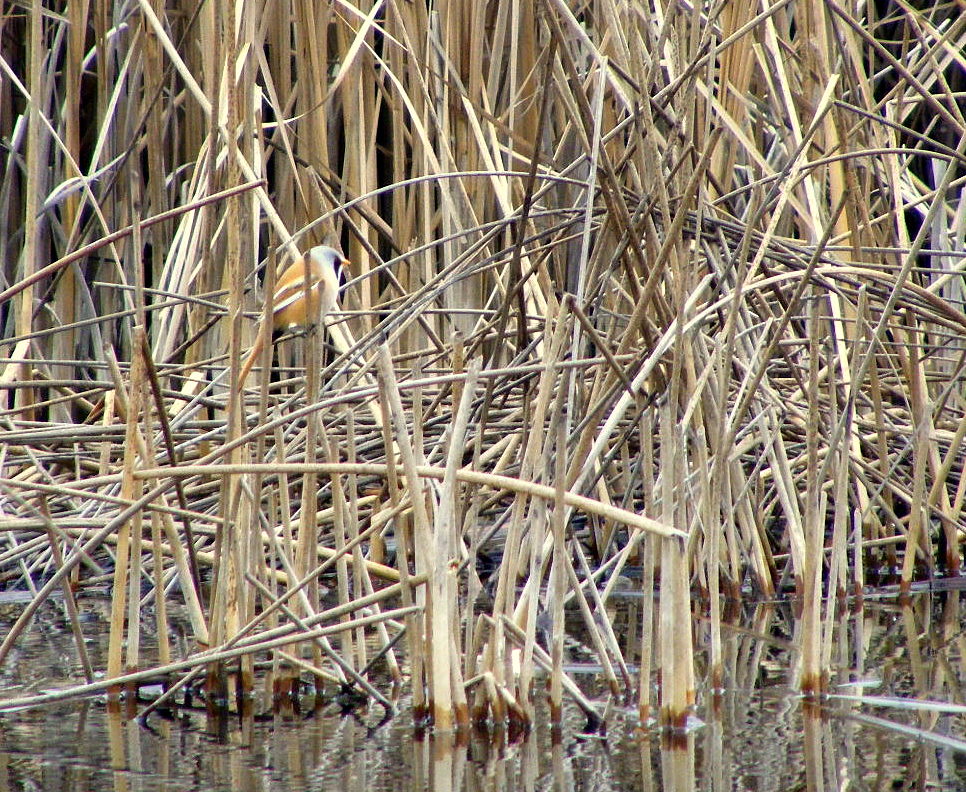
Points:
[[34, 188], [445, 611], [339, 531], [160, 600], [404, 551], [130, 490], [677, 689], [360, 575], [558, 569], [812, 677], [438, 670], [645, 694], [69, 599]]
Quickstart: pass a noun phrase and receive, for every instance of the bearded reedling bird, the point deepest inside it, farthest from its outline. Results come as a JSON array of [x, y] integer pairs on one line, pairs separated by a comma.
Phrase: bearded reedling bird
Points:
[[306, 290]]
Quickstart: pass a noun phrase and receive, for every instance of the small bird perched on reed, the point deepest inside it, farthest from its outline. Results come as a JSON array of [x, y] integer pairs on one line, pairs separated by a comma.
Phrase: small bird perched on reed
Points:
[[305, 292]]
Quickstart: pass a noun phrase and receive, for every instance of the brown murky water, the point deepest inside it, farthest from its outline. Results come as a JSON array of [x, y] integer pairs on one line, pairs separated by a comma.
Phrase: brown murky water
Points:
[[754, 736]]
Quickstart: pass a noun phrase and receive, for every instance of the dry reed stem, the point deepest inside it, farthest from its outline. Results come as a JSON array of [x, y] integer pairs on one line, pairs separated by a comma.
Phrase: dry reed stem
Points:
[[130, 488]]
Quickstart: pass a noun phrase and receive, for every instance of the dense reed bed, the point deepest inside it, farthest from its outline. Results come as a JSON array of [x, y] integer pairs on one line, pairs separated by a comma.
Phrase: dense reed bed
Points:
[[661, 296]]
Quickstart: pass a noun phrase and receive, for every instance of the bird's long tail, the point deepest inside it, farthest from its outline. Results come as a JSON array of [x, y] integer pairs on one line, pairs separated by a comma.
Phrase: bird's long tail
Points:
[[252, 357]]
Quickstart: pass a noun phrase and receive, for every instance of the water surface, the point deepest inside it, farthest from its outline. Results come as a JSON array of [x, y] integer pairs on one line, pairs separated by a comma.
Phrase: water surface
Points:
[[755, 735]]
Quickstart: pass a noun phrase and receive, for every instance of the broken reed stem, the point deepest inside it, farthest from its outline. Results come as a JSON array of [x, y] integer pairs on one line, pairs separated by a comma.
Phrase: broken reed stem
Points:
[[35, 186], [134, 557], [917, 538], [308, 528], [645, 692], [161, 604]]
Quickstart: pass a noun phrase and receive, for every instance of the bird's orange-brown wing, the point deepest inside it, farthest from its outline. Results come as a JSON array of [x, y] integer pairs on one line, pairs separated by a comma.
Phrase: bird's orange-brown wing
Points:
[[296, 299], [305, 291]]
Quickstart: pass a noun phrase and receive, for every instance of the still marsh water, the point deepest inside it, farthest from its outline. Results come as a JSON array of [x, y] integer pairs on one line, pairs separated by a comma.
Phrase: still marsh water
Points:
[[755, 735]]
